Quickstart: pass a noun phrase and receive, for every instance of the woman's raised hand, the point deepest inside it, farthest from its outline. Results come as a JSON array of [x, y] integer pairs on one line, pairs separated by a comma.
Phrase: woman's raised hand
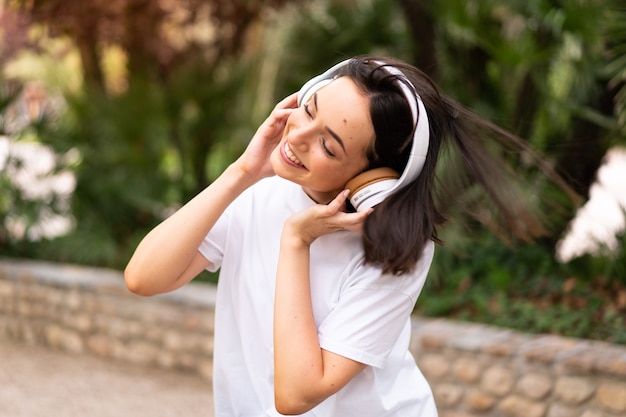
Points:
[[255, 159]]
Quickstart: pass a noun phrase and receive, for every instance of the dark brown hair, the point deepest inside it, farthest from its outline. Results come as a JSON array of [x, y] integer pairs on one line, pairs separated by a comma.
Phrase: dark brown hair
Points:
[[398, 229]]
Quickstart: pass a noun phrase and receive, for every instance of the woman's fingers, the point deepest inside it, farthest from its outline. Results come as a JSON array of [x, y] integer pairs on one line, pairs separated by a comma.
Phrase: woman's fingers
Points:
[[279, 117], [342, 220], [338, 203], [288, 102], [352, 221], [321, 219], [283, 109]]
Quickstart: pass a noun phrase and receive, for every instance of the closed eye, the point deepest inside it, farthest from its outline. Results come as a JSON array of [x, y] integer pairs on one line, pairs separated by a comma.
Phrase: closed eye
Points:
[[307, 111], [326, 150]]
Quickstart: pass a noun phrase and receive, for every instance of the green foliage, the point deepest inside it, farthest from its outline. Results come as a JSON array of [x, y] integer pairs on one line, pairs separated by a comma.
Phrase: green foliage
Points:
[[523, 287], [119, 141], [142, 152], [326, 32], [537, 68], [615, 24], [209, 113]]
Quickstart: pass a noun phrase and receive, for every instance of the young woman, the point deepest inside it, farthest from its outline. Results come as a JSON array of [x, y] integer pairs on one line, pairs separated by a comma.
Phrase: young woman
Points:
[[319, 276]]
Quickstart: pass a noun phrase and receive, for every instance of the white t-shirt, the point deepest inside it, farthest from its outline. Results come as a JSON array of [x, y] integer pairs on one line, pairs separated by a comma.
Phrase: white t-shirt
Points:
[[360, 313]]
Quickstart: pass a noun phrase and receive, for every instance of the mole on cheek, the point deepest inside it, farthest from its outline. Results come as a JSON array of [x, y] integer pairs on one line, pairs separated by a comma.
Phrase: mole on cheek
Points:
[[345, 121]]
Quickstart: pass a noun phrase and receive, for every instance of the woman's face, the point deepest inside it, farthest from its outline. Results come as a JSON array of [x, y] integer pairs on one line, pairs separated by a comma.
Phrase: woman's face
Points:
[[325, 140]]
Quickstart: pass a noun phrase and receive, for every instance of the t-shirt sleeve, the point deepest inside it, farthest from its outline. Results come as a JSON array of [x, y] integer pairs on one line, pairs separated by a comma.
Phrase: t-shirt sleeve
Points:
[[213, 245], [370, 315], [368, 333]]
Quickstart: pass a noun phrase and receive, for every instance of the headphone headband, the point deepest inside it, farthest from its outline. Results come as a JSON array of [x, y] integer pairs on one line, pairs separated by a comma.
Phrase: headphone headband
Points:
[[421, 131]]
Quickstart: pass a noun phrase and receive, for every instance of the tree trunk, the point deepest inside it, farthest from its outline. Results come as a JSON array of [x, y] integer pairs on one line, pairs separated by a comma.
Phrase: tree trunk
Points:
[[423, 34], [583, 152], [93, 75], [140, 38]]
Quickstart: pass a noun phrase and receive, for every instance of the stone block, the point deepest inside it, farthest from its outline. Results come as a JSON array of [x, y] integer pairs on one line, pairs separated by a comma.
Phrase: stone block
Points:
[[467, 370], [560, 410], [515, 406], [206, 344], [573, 390], [72, 300], [498, 380], [611, 361], [476, 400], [100, 344], [432, 342], [502, 349], [546, 349], [205, 369], [193, 322], [435, 366], [32, 334], [174, 340], [140, 352], [592, 413], [54, 334], [77, 320], [7, 290], [447, 395], [611, 396], [53, 296], [166, 359], [108, 305], [151, 332], [454, 413], [186, 361], [24, 309], [64, 339], [118, 327], [73, 342], [535, 385], [582, 362]]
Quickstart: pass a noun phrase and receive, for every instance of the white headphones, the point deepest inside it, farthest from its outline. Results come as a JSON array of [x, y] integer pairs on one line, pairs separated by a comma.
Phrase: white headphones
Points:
[[372, 187]]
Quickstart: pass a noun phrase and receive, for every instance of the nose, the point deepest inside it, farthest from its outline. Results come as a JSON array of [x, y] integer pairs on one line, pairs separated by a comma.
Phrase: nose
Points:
[[301, 131]]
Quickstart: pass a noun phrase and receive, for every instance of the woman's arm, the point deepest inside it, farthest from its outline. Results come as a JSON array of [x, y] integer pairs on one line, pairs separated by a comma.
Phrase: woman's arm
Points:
[[305, 374], [168, 256]]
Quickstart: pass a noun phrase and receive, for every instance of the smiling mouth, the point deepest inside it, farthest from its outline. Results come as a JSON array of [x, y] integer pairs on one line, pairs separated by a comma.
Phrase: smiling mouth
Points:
[[291, 155]]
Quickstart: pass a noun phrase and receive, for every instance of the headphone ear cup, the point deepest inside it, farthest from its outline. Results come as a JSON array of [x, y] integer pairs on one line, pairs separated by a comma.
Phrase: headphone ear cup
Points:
[[370, 183]]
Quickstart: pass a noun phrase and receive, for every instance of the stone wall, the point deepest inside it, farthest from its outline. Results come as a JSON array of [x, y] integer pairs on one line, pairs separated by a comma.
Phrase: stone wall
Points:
[[474, 370], [478, 370], [89, 310]]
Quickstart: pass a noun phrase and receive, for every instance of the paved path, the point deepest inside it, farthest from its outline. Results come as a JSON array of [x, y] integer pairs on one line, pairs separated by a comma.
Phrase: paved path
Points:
[[38, 382]]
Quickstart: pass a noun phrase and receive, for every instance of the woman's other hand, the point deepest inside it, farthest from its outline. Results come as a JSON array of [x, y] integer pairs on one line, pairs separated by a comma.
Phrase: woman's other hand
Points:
[[306, 226], [255, 159]]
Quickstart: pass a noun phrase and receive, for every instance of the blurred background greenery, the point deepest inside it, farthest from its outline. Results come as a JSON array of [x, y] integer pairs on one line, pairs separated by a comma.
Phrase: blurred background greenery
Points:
[[145, 102]]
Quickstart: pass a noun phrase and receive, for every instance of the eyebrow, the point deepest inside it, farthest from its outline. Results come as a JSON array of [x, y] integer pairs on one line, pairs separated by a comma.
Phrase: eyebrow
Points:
[[328, 129]]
